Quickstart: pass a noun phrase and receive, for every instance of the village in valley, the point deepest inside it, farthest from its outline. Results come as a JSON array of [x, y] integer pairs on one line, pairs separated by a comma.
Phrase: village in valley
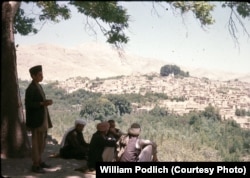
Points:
[[196, 93]]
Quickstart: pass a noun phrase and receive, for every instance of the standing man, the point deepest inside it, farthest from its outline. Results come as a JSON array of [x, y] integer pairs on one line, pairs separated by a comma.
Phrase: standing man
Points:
[[37, 117]]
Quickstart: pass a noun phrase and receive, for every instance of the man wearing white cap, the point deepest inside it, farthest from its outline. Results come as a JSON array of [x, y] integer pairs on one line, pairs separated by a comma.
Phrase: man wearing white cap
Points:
[[73, 145]]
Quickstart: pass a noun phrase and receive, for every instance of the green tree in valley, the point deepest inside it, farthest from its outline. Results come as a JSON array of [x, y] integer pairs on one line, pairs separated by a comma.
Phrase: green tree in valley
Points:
[[240, 112], [98, 109], [172, 69], [14, 141], [212, 113], [122, 105], [158, 111]]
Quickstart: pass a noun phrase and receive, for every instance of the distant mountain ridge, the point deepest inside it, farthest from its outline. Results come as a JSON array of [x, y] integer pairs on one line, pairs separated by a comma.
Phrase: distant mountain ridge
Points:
[[94, 60]]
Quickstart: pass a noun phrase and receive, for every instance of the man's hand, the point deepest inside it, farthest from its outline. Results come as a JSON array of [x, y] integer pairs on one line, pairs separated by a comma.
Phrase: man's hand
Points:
[[47, 102], [155, 159]]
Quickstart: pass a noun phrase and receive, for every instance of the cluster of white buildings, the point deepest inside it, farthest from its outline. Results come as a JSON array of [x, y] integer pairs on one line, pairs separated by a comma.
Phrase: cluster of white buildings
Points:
[[198, 92]]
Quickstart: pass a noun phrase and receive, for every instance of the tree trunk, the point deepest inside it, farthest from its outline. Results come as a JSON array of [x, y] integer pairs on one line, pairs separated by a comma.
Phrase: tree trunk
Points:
[[14, 138]]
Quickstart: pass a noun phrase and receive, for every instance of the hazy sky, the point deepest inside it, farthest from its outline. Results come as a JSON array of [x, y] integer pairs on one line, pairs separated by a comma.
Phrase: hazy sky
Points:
[[166, 36]]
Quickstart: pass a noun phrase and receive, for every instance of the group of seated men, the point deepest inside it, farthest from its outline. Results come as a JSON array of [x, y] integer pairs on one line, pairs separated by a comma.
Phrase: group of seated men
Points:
[[107, 144]]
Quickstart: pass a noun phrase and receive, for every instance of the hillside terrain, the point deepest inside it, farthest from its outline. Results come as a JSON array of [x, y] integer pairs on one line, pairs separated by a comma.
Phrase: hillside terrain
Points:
[[97, 68], [94, 60]]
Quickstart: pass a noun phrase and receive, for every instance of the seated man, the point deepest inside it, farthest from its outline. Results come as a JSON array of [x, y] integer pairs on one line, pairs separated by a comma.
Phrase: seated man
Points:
[[98, 143], [114, 133], [137, 149], [73, 145]]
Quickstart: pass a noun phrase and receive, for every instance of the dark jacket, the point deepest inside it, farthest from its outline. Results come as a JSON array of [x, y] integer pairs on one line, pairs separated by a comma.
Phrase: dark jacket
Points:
[[97, 144], [75, 146], [34, 110]]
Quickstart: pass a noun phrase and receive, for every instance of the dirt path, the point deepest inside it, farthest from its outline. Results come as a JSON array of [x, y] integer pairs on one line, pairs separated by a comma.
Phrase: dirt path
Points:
[[61, 168]]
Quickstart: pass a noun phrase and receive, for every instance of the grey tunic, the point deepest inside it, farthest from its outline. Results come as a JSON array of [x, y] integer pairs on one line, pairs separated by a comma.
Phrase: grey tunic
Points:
[[131, 153]]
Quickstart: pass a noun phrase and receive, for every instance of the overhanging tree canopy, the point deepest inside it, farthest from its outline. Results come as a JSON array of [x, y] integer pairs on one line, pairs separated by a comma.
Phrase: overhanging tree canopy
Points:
[[14, 141], [115, 16]]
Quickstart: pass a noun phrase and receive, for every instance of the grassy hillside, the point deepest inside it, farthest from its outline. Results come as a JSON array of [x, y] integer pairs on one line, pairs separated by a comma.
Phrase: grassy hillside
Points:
[[192, 137]]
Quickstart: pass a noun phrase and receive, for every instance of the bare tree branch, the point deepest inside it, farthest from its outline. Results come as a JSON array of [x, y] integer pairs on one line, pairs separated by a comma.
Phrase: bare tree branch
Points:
[[232, 28]]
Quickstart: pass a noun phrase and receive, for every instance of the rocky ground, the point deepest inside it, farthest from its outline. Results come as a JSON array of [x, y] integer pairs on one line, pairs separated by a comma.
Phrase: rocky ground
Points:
[[61, 168]]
